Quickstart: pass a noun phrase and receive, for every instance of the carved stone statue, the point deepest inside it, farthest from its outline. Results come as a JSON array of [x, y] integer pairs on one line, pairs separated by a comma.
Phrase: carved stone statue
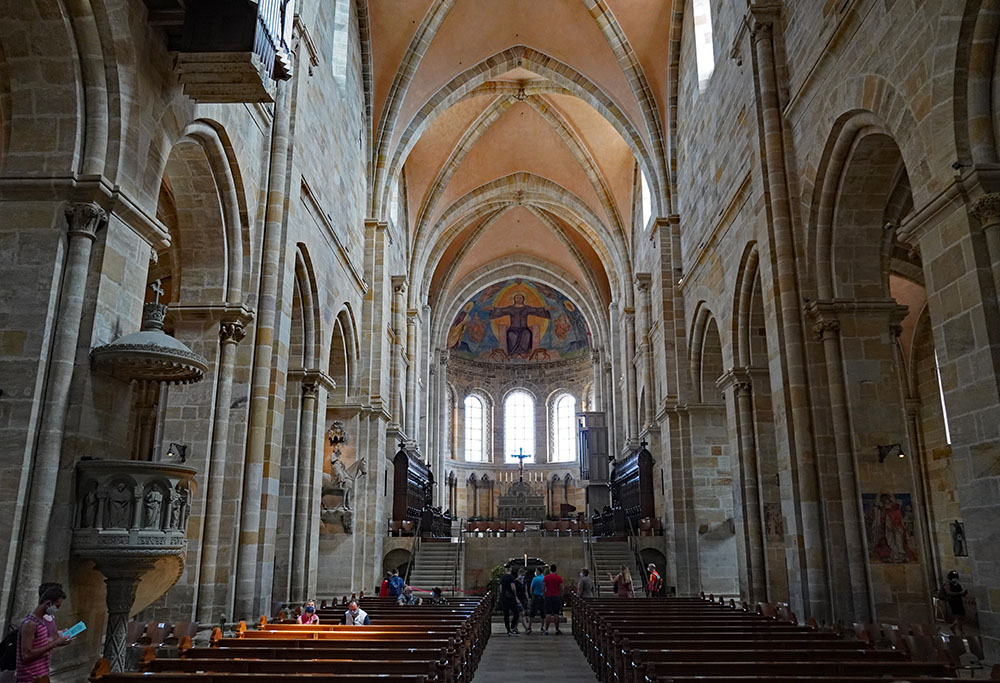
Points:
[[175, 513], [88, 519], [184, 498], [346, 481], [152, 504], [119, 507]]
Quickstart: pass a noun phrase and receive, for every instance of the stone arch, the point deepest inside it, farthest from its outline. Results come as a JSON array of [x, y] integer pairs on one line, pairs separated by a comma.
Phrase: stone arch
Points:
[[976, 81], [489, 412], [343, 367], [46, 107], [515, 266], [706, 359], [305, 292], [519, 56], [531, 190], [849, 217]]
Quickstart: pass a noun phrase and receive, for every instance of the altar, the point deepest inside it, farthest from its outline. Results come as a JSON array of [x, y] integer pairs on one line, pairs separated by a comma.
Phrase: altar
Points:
[[521, 501]]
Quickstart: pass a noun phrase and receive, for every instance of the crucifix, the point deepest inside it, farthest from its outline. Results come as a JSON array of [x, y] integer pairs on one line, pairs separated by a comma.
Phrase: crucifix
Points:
[[520, 455], [157, 290]]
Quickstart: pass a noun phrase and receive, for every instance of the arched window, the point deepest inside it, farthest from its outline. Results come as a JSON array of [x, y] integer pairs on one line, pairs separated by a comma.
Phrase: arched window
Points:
[[519, 425], [704, 47], [475, 429], [647, 199], [564, 429], [341, 40]]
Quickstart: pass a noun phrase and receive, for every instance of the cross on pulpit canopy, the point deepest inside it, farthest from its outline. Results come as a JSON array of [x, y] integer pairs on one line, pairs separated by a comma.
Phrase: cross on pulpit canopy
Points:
[[157, 290], [520, 455]]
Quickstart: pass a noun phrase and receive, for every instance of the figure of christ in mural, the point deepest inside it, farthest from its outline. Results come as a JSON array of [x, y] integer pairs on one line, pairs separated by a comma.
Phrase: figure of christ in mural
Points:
[[519, 336]]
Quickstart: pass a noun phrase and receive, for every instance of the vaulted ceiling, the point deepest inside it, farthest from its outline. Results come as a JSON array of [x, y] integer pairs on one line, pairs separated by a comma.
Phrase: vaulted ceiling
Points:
[[518, 126]]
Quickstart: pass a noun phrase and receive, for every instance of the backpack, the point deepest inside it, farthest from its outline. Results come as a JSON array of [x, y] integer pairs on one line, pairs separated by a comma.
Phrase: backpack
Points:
[[8, 651]]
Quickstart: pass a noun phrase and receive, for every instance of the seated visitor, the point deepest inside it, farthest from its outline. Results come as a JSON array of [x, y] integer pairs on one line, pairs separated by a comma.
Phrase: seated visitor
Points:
[[309, 616], [436, 597], [408, 598], [355, 616]]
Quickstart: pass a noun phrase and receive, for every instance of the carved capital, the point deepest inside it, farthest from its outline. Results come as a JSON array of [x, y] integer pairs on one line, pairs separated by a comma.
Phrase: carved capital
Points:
[[986, 210], [762, 29], [643, 281], [826, 329], [398, 284], [84, 219], [742, 388], [896, 329], [231, 332], [310, 389]]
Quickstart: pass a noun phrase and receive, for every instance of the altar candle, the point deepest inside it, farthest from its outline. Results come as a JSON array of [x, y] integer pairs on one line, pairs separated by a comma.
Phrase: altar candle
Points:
[[526, 559]]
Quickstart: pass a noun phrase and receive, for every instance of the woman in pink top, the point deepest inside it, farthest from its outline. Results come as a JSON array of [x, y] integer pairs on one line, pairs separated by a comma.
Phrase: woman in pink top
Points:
[[36, 641], [309, 616]]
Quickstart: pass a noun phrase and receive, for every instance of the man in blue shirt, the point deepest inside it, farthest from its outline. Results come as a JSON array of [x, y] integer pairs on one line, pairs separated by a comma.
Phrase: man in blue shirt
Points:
[[537, 599], [396, 584]]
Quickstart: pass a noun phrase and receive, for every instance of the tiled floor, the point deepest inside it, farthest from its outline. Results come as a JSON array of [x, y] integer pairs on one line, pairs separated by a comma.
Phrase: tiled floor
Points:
[[535, 658]]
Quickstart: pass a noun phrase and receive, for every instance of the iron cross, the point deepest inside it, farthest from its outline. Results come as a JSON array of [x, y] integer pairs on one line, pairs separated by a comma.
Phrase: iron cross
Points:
[[520, 455]]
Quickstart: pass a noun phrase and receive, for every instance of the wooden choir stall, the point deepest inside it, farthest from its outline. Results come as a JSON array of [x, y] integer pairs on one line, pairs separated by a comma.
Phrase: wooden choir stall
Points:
[[632, 509], [412, 493]]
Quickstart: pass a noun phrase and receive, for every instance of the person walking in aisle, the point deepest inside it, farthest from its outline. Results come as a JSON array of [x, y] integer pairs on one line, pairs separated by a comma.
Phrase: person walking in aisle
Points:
[[585, 586], [508, 601], [655, 583], [521, 590], [537, 591], [553, 600]]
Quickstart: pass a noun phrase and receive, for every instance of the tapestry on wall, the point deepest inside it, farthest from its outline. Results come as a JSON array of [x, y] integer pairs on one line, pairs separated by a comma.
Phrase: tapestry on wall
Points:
[[519, 321], [891, 526]]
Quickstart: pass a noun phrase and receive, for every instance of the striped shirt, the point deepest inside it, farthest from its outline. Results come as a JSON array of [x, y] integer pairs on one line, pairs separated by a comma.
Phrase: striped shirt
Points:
[[27, 673]]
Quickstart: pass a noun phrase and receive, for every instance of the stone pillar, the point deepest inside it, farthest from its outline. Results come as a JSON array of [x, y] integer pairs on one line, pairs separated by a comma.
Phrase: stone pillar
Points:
[[123, 578], [806, 560], [609, 404], [851, 600], [632, 431], [247, 588], [231, 333], [83, 222], [749, 483], [986, 209], [643, 282], [446, 439], [304, 493], [411, 427], [396, 377], [598, 369]]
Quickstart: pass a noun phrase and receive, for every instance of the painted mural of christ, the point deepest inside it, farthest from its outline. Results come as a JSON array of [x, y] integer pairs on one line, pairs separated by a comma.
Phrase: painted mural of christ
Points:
[[519, 335]]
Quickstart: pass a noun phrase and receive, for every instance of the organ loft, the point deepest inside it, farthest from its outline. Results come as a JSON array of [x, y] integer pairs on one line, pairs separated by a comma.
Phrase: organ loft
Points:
[[295, 294]]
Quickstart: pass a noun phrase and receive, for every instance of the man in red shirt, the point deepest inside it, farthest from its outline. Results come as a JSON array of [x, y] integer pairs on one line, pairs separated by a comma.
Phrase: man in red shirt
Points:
[[553, 600], [655, 583]]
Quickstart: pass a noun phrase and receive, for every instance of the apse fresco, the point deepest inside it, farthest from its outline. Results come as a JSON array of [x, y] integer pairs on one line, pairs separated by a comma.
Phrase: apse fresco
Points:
[[519, 321]]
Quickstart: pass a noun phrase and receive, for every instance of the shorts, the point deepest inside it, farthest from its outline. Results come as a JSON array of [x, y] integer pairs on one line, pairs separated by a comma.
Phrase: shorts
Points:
[[537, 606], [553, 604]]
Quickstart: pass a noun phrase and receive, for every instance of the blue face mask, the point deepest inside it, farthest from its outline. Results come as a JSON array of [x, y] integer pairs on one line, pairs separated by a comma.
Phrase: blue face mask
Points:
[[310, 609]]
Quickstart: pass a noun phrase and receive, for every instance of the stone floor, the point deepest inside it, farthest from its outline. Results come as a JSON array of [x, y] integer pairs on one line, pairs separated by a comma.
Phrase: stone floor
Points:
[[551, 658]]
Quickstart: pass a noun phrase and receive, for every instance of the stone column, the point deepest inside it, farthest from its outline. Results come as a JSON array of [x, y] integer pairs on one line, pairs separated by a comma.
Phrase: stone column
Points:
[[83, 221], [410, 427], [304, 490], [446, 439], [632, 432], [231, 333], [986, 210], [806, 562], [643, 282], [844, 525], [247, 588], [750, 486], [123, 578], [396, 378], [598, 369], [608, 405]]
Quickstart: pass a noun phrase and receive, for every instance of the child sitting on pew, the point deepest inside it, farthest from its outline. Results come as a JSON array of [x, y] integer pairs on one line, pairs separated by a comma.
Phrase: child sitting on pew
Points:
[[355, 616]]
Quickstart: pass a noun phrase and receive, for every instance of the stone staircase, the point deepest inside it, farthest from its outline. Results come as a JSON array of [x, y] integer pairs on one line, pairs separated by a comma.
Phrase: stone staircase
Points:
[[435, 565], [609, 556]]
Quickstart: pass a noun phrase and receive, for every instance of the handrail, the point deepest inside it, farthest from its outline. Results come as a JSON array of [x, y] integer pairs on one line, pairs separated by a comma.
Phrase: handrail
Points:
[[413, 554], [593, 563], [633, 545], [459, 556]]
